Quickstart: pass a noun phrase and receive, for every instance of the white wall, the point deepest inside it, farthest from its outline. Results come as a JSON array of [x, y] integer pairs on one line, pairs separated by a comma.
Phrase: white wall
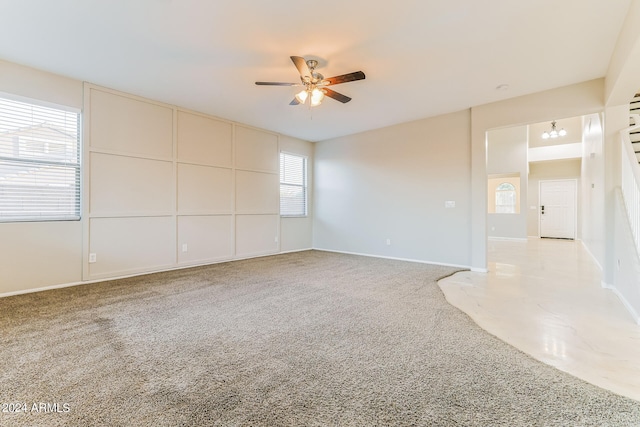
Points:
[[507, 154], [155, 178], [593, 188], [626, 270], [392, 183], [621, 83]]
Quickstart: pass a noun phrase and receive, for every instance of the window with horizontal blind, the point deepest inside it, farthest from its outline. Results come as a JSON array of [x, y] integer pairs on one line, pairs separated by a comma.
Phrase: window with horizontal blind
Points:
[[293, 185], [39, 161]]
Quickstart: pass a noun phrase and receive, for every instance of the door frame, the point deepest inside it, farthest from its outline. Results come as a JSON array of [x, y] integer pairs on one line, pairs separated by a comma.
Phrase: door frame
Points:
[[575, 204]]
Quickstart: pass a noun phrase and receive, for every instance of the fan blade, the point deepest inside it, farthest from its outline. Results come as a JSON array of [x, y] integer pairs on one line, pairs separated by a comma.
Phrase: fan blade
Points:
[[337, 96], [294, 102], [357, 75], [276, 84], [302, 67]]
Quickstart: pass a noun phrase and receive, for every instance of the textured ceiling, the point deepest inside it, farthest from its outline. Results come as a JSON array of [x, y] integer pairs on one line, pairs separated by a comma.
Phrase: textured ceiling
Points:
[[422, 58]]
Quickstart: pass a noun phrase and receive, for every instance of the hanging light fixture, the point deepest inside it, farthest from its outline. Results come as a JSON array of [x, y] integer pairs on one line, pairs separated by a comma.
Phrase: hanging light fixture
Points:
[[314, 94], [302, 96], [317, 95], [553, 133]]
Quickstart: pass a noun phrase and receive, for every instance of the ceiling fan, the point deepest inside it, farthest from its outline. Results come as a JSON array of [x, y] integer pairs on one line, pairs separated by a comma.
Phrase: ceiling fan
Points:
[[315, 85]]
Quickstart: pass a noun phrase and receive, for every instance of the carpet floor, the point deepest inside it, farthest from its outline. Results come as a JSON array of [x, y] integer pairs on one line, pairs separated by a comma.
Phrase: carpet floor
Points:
[[302, 339]]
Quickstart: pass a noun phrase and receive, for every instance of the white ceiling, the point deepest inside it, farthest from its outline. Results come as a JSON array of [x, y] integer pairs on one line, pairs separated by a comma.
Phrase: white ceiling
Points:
[[421, 57]]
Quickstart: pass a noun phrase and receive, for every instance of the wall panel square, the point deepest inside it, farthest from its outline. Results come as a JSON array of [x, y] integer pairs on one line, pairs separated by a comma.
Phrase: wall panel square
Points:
[[129, 185], [128, 245], [257, 192], [207, 238], [256, 234], [204, 140], [127, 125], [204, 189], [256, 150]]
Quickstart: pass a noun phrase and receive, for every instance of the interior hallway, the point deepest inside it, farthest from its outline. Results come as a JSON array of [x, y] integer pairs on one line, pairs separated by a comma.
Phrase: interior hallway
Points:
[[544, 297]]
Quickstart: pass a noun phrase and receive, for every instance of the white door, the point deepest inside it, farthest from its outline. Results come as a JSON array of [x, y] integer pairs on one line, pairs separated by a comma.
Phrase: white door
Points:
[[558, 209]]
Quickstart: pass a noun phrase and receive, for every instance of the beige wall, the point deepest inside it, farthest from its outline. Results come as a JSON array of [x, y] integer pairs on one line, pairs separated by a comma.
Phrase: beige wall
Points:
[[297, 233], [568, 101], [163, 188], [621, 81], [507, 154], [39, 254], [392, 183]]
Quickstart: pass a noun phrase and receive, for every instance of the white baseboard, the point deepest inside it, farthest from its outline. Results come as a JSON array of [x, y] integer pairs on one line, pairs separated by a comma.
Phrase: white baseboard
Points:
[[44, 288], [419, 261], [295, 250], [627, 305], [182, 267], [142, 273]]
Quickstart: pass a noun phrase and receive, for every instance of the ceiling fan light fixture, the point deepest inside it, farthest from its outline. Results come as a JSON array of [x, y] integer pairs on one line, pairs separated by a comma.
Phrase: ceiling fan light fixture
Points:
[[302, 96], [314, 83], [316, 97]]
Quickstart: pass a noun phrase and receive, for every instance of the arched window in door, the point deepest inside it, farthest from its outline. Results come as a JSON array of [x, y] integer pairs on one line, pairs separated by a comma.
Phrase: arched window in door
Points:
[[505, 198]]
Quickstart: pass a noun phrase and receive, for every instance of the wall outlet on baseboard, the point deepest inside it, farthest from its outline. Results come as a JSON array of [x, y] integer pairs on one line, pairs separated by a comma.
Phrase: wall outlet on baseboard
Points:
[[185, 248], [92, 258]]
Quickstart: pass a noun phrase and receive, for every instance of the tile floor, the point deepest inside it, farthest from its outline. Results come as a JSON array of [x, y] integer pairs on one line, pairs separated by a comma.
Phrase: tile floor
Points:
[[544, 297]]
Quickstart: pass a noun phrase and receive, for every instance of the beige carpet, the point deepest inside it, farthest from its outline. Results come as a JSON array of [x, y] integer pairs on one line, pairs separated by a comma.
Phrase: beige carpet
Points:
[[304, 339]]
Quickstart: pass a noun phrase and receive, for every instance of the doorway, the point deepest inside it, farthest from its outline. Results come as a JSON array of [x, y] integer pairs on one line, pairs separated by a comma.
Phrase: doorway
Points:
[[558, 209]]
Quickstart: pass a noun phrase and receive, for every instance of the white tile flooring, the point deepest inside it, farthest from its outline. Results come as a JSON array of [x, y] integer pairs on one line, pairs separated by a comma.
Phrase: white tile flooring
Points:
[[544, 297]]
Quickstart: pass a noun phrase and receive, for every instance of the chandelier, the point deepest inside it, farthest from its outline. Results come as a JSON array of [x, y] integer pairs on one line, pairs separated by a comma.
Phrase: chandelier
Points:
[[553, 133]]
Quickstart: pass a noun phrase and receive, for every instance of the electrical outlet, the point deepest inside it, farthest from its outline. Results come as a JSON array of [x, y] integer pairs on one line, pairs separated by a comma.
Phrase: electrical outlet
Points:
[[388, 242], [92, 258], [185, 248], [450, 204]]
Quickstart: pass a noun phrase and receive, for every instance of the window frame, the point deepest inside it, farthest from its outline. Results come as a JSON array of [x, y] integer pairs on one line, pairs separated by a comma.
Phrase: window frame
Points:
[[49, 160], [304, 186], [498, 191]]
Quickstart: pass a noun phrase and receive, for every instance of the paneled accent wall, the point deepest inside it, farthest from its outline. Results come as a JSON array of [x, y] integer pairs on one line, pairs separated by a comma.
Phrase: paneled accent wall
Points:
[[168, 187]]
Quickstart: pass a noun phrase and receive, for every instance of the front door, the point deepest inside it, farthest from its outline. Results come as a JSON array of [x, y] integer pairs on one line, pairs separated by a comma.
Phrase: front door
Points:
[[558, 209]]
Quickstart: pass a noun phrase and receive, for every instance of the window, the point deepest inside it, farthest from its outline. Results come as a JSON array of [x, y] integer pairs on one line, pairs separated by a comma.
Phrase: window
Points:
[[505, 198], [39, 162], [293, 185]]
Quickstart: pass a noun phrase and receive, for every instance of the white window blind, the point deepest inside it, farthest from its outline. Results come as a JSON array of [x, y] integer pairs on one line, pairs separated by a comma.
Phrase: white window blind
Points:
[[39, 162], [293, 185]]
